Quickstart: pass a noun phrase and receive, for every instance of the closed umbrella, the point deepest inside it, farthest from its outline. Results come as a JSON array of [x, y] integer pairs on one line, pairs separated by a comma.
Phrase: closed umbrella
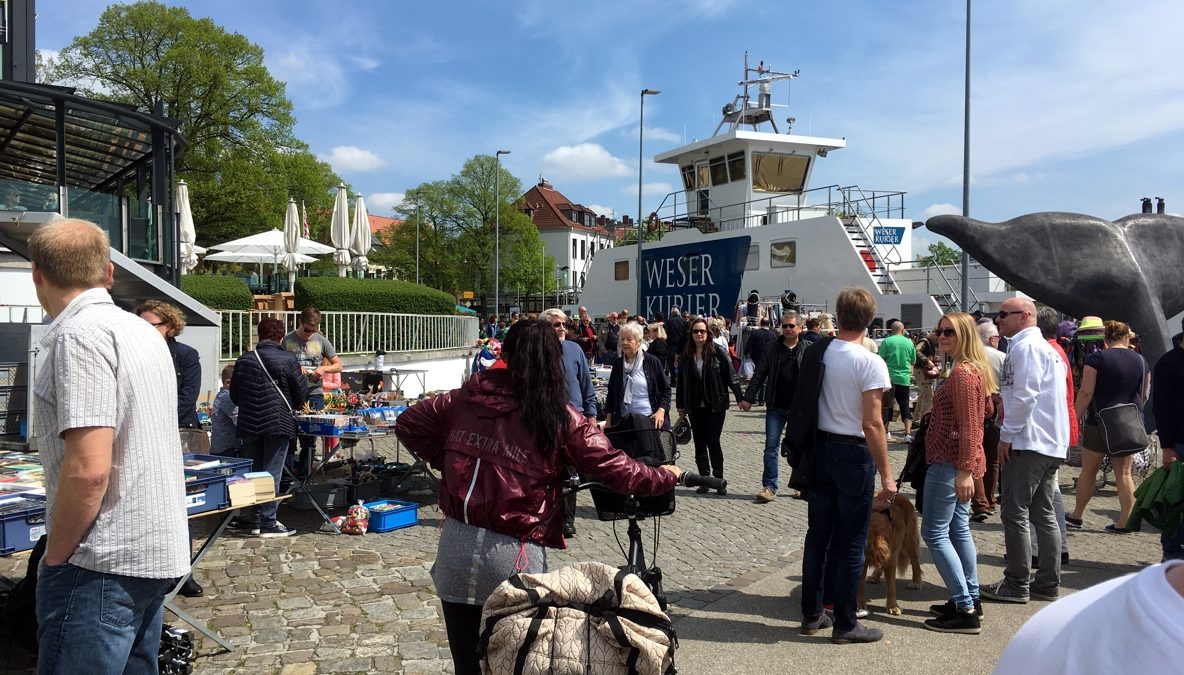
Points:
[[187, 236], [339, 230], [292, 231], [360, 246]]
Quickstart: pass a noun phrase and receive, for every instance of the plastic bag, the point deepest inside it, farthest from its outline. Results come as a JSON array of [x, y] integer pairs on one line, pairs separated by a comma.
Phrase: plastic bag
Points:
[[357, 520]]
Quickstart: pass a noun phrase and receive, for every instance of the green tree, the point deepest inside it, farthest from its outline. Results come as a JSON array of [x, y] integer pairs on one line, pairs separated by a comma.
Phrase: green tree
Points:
[[940, 254], [242, 160]]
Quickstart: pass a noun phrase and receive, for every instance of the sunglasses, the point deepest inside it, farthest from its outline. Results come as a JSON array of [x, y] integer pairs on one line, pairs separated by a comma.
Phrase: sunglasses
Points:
[[788, 325], [558, 325], [1004, 315], [698, 331], [946, 332]]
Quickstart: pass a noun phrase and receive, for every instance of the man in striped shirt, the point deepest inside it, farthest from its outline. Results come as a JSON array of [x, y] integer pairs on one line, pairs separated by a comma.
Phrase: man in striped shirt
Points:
[[105, 423]]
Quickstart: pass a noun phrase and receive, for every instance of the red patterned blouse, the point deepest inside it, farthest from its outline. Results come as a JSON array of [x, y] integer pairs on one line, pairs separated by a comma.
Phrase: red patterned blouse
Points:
[[956, 428]]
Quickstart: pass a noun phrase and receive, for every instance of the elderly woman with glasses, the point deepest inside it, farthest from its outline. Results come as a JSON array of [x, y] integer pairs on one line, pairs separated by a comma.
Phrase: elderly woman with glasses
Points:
[[638, 384]]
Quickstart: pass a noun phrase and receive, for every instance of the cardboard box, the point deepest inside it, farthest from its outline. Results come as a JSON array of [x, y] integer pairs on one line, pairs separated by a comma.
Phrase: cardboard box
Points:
[[262, 484], [240, 491]]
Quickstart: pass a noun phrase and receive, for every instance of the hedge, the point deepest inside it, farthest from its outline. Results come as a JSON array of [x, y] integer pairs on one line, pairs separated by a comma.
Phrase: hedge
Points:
[[344, 294], [217, 292]]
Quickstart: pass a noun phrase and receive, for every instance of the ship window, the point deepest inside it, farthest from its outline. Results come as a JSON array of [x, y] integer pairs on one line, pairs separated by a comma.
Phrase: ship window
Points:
[[621, 270], [736, 165], [688, 177], [783, 253], [754, 258], [704, 175], [778, 173], [719, 171]]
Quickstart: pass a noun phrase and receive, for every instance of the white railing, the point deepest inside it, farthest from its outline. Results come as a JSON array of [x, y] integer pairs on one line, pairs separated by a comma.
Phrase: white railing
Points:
[[21, 314], [358, 332]]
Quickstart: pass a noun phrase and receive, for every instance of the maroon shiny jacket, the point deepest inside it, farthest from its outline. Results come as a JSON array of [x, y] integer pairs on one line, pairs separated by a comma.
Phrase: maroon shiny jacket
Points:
[[493, 477]]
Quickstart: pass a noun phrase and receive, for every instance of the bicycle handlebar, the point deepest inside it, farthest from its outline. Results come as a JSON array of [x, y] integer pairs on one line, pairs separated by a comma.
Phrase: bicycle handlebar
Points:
[[687, 479]]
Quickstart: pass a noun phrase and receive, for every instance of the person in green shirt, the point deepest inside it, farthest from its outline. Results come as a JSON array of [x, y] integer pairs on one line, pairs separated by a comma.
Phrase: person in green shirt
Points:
[[899, 353]]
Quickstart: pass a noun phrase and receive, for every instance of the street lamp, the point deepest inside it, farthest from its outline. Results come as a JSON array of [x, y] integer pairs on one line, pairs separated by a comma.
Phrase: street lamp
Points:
[[417, 243], [965, 288], [640, 161], [497, 232]]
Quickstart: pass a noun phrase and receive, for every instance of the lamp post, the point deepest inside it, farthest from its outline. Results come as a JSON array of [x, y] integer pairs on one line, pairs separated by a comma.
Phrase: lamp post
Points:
[[640, 161], [497, 232], [966, 170], [417, 243]]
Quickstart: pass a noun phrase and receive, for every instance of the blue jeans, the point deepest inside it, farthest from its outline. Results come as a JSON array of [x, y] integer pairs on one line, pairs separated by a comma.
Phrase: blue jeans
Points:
[[945, 527], [1173, 546], [267, 453], [89, 622], [775, 419], [840, 507]]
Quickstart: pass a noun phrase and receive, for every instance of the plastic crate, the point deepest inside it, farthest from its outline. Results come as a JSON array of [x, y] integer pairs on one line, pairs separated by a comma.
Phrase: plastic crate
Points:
[[14, 374], [20, 530], [329, 495], [207, 493], [13, 398], [227, 466], [405, 514]]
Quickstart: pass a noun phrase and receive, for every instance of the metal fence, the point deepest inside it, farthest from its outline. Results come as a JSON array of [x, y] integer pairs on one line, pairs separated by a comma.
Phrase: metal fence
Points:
[[21, 314], [358, 332]]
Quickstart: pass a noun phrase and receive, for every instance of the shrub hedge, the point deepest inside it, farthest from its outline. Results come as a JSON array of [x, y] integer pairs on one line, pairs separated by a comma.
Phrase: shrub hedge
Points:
[[344, 294], [217, 292]]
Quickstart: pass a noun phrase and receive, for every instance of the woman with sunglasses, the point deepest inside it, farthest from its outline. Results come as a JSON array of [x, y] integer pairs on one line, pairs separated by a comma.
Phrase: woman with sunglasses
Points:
[[954, 452], [705, 375]]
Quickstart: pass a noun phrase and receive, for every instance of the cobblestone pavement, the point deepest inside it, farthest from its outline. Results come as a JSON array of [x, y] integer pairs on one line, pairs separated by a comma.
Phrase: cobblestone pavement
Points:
[[322, 603]]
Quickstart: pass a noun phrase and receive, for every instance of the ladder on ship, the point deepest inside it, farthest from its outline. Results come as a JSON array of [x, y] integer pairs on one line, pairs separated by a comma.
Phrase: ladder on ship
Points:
[[858, 234]]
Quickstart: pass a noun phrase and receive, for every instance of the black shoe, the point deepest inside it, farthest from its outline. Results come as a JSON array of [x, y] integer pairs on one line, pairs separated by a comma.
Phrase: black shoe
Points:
[[701, 490], [569, 530], [948, 607], [860, 633], [812, 627], [966, 623], [1064, 558], [980, 516], [722, 492], [191, 589]]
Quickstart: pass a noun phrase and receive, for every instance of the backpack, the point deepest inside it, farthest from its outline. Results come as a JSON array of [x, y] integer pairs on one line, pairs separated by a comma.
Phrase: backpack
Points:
[[585, 618]]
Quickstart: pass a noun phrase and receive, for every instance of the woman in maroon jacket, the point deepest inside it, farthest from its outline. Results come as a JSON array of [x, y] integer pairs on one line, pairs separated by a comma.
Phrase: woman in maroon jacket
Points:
[[502, 442]]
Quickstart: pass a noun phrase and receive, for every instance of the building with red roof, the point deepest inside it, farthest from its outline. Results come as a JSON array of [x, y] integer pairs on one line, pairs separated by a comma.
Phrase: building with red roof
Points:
[[572, 233]]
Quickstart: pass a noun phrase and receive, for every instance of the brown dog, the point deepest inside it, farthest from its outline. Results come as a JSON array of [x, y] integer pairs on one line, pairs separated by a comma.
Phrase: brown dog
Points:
[[893, 538]]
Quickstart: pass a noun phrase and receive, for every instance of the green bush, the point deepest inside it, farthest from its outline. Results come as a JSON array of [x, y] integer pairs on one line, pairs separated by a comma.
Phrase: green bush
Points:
[[217, 293], [343, 294]]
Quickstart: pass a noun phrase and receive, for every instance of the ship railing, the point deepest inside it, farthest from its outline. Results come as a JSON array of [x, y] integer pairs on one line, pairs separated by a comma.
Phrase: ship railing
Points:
[[948, 295], [358, 332], [21, 314]]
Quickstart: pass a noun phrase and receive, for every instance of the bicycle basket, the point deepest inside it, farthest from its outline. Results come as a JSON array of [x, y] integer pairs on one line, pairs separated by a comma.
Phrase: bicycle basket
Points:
[[650, 446]]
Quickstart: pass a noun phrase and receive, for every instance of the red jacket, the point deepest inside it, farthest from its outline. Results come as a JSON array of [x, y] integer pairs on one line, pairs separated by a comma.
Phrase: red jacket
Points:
[[1074, 431], [493, 477]]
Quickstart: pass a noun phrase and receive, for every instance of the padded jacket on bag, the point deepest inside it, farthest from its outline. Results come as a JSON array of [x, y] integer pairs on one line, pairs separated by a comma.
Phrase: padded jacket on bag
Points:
[[261, 411], [493, 477]]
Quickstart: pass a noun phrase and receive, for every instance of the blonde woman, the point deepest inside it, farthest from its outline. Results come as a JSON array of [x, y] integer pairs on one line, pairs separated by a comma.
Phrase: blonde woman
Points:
[[954, 452]]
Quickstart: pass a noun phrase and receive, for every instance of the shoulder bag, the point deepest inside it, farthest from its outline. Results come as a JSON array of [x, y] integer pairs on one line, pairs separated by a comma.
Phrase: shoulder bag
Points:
[[1122, 427]]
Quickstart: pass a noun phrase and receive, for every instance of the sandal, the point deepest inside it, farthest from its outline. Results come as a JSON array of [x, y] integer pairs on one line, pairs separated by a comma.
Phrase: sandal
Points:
[[1114, 529], [1074, 523]]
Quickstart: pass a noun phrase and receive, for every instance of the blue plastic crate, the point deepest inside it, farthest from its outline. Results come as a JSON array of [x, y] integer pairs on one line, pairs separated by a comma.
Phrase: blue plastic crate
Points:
[[207, 493], [20, 530], [405, 514], [227, 466]]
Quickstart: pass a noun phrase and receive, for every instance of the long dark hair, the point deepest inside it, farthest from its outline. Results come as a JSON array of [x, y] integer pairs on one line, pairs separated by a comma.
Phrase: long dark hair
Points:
[[535, 359], [690, 349]]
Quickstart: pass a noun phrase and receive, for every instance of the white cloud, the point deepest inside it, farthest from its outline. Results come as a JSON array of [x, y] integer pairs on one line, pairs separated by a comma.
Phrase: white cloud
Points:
[[603, 210], [365, 62], [940, 210], [381, 203], [315, 78], [347, 158], [582, 162], [653, 134], [658, 189]]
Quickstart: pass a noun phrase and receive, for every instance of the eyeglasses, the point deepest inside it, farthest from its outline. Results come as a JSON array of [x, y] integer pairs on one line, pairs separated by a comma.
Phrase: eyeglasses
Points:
[[946, 332], [307, 328], [698, 331], [1005, 314], [788, 325], [558, 325]]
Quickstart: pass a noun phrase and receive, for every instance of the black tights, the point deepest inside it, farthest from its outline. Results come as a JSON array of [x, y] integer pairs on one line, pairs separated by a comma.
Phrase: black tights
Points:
[[706, 427], [463, 623]]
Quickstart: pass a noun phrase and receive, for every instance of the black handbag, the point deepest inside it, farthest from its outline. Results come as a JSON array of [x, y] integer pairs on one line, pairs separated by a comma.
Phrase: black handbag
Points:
[[682, 430], [1122, 428]]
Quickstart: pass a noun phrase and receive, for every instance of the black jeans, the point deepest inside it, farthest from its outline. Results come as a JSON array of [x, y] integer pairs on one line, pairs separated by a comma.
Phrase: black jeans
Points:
[[301, 463], [706, 427], [463, 623]]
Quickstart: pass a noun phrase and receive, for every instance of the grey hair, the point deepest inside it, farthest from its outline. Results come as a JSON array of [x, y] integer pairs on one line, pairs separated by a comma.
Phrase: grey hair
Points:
[[677, 311], [1048, 321], [633, 329], [554, 313], [986, 331]]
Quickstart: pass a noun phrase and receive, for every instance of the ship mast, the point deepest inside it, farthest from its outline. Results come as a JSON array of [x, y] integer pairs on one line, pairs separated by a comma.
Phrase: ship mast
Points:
[[742, 110]]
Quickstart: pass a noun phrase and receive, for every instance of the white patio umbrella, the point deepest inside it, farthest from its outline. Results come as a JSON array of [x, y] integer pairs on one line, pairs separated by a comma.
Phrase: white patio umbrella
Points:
[[271, 243], [360, 246], [259, 258], [339, 230], [188, 236], [292, 231]]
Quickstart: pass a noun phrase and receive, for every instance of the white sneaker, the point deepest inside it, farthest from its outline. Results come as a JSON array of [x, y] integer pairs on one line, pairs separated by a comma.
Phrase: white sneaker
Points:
[[908, 438]]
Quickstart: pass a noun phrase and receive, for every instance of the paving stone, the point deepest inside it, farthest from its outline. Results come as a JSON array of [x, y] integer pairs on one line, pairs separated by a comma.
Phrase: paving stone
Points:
[[293, 603], [351, 665], [418, 650], [299, 669]]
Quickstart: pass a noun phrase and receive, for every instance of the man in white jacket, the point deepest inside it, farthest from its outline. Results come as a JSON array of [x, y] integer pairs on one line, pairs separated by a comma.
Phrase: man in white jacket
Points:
[[1033, 442]]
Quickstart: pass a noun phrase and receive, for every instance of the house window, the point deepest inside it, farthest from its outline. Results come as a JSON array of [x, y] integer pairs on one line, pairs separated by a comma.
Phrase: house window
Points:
[[719, 171], [573, 248], [529, 213], [621, 270], [778, 173], [783, 253], [736, 165], [583, 249]]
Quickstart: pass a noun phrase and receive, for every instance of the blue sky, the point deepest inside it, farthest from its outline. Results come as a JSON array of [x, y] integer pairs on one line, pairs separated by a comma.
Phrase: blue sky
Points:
[[1076, 106]]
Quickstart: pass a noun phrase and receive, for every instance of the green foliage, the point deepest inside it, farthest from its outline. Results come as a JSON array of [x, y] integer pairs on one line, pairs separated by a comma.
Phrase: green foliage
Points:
[[242, 161], [219, 293], [939, 255], [344, 294]]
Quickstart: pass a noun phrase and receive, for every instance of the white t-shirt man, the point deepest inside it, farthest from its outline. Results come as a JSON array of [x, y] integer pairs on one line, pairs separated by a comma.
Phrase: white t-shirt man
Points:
[[1129, 625], [851, 370]]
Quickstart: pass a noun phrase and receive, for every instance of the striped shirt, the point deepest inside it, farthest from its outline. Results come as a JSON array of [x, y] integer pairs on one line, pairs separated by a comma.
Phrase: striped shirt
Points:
[[105, 367]]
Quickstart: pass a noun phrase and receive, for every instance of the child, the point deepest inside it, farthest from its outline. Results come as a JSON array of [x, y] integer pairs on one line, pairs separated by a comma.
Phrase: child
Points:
[[224, 417]]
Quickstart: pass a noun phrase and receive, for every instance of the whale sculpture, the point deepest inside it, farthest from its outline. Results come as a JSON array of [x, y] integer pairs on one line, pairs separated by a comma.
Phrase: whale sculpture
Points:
[[1081, 265]]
